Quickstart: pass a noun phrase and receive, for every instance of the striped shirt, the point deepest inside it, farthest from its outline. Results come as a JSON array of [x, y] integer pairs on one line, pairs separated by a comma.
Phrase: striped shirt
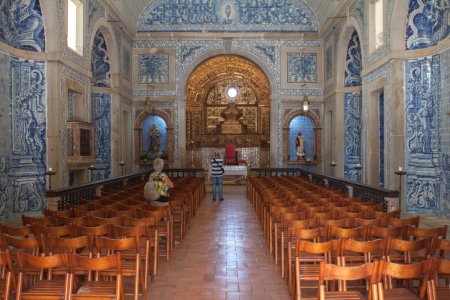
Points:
[[216, 165]]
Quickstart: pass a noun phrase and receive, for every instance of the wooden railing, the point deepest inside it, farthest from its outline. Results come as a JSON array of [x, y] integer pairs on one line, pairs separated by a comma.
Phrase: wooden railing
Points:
[[74, 195], [355, 189]]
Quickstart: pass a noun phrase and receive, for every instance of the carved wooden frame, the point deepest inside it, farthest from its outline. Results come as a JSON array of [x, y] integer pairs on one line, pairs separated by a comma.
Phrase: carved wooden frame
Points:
[[138, 133], [317, 133]]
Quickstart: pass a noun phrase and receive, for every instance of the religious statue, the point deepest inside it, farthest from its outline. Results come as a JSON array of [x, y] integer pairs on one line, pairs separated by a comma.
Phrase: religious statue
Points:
[[300, 146], [155, 139]]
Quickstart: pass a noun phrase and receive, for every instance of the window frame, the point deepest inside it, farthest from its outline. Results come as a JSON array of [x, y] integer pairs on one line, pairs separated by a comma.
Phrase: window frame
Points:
[[79, 35], [375, 44]]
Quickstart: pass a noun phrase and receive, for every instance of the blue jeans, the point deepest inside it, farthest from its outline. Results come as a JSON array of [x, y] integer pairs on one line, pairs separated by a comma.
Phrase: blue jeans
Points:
[[217, 181]]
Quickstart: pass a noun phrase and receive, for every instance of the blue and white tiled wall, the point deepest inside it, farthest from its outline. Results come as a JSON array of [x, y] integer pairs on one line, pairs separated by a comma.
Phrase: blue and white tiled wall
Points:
[[427, 23], [101, 104], [21, 24], [304, 125], [445, 131], [23, 129], [100, 62], [352, 110], [352, 136], [423, 181]]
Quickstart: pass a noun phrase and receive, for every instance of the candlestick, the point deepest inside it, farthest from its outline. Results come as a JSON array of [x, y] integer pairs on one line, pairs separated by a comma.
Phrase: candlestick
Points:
[[121, 164], [50, 173], [50, 169], [400, 169], [400, 173]]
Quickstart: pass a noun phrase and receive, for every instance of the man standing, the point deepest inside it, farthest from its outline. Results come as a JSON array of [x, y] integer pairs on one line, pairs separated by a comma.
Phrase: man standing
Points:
[[217, 174]]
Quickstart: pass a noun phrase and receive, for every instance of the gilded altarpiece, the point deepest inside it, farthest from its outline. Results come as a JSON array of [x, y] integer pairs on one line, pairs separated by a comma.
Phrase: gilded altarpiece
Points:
[[214, 118]]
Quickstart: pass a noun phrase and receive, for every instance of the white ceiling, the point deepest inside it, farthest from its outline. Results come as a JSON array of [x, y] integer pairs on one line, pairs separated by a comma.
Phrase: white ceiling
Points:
[[129, 10]]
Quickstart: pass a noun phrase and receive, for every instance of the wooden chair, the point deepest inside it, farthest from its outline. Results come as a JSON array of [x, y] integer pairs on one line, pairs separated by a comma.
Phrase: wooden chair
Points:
[[29, 220], [44, 233], [440, 271], [33, 286], [360, 252], [357, 233], [93, 288], [433, 233], [377, 232], [389, 270], [308, 256], [405, 224], [343, 274], [7, 276], [131, 265], [402, 251]]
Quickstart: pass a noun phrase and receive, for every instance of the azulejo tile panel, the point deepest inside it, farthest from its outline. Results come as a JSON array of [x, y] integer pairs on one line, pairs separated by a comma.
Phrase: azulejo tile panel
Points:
[[227, 15], [422, 134], [22, 25], [22, 163], [301, 67], [427, 23], [353, 62], [100, 62], [101, 104], [352, 136], [153, 68]]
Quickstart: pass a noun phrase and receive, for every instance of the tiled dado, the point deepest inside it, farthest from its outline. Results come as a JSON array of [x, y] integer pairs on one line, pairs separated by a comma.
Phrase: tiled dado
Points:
[[224, 256]]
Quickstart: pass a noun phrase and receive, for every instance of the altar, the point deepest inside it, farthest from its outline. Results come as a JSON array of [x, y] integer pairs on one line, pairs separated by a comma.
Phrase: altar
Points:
[[232, 170]]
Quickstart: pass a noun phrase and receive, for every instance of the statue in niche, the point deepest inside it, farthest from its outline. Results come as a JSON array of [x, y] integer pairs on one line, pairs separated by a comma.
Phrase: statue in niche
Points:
[[155, 139], [299, 142]]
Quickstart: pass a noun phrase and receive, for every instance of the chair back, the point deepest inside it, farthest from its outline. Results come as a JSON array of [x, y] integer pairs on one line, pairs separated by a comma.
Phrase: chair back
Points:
[[230, 151]]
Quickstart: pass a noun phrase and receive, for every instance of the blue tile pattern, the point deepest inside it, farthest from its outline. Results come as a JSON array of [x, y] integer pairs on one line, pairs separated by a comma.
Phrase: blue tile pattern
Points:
[[301, 67], [100, 62], [153, 68], [304, 125], [427, 23], [147, 126], [353, 62], [445, 132], [23, 150], [423, 181], [381, 122], [101, 104], [227, 15], [352, 136], [21, 24]]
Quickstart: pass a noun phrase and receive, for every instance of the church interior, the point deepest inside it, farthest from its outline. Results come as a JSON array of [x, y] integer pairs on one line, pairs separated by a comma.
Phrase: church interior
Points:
[[342, 105]]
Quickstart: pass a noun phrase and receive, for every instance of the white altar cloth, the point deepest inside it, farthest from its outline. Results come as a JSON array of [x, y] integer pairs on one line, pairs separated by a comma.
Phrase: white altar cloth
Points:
[[238, 170]]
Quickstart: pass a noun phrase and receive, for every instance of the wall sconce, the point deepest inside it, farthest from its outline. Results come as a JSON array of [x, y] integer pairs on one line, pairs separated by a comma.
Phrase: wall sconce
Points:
[[305, 104]]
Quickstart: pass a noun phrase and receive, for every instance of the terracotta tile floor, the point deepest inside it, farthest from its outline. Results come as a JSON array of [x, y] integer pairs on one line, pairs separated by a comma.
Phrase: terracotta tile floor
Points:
[[224, 256]]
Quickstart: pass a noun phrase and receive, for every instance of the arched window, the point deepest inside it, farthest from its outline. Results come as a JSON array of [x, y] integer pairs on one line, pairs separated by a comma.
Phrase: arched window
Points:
[[75, 25], [154, 138], [305, 126]]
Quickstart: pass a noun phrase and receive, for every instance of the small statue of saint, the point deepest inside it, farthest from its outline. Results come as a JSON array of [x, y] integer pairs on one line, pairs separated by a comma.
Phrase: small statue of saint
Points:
[[155, 139], [300, 146]]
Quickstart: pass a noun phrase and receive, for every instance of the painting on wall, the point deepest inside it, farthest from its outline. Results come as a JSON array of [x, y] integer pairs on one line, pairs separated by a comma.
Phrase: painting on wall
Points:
[[301, 67], [21, 24], [305, 126], [153, 68], [154, 138]]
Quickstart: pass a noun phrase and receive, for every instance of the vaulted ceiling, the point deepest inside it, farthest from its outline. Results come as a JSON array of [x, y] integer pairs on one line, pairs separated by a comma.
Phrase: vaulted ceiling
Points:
[[129, 11]]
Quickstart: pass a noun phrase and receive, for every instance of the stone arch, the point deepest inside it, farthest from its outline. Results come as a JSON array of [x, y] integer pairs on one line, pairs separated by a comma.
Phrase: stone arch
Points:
[[138, 133], [398, 25], [112, 45], [313, 115], [341, 53]]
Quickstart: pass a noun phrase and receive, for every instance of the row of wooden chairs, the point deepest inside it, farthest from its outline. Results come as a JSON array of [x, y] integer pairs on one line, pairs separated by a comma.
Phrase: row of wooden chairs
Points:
[[39, 276], [380, 285]]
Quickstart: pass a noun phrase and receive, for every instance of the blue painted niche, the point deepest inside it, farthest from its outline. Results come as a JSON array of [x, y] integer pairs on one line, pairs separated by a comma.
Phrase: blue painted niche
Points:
[[305, 125], [147, 126]]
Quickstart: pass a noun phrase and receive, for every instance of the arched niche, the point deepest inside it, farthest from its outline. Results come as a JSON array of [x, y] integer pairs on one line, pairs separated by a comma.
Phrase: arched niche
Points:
[[312, 135], [143, 126]]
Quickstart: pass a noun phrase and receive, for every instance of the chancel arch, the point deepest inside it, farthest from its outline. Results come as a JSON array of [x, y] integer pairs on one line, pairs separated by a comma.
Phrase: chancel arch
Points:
[[216, 117]]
